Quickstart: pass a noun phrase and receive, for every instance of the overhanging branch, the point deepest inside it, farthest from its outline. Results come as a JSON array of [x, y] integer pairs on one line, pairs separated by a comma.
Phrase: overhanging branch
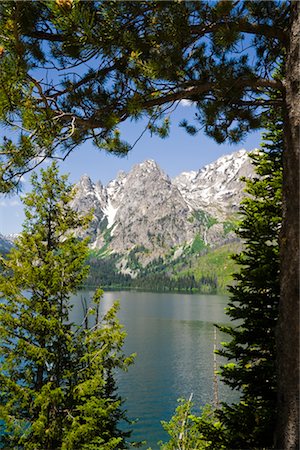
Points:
[[243, 27], [198, 89]]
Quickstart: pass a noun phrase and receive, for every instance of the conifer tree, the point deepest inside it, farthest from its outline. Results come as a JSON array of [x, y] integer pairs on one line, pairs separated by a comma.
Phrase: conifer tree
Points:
[[56, 377], [131, 59], [254, 303]]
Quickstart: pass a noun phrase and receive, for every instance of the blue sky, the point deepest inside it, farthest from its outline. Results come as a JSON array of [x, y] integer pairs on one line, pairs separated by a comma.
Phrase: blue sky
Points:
[[175, 154]]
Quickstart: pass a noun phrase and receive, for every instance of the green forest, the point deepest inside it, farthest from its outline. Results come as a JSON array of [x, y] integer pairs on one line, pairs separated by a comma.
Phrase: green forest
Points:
[[75, 71], [209, 273]]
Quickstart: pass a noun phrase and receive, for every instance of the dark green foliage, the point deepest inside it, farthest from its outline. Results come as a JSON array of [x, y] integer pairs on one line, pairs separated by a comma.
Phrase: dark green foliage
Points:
[[103, 272], [197, 245], [254, 300], [95, 407], [187, 430], [57, 386], [133, 262], [229, 226], [254, 303], [204, 218], [159, 275], [162, 282]]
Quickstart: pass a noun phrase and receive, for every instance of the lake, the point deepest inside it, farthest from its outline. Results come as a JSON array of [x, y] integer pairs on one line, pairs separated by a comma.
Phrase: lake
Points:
[[173, 336]]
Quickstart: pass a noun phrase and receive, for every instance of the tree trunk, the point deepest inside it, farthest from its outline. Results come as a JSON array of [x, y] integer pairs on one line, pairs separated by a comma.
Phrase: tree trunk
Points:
[[287, 431]]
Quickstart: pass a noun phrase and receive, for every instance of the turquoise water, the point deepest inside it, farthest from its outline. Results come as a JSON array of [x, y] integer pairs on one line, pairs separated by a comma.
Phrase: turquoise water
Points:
[[173, 336]]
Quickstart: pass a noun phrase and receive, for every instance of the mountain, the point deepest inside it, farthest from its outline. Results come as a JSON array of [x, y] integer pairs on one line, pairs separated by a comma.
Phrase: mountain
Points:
[[145, 216], [5, 244], [217, 188]]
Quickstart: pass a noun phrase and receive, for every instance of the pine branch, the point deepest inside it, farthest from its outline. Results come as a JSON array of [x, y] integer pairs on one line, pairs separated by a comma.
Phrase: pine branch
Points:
[[243, 27]]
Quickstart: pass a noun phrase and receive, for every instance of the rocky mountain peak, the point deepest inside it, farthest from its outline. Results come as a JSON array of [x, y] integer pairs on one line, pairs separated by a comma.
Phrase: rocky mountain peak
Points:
[[226, 166], [145, 209], [148, 164], [85, 183], [147, 169], [217, 186]]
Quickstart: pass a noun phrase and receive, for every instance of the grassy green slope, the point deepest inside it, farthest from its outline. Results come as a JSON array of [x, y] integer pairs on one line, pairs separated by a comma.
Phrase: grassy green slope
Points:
[[216, 263]]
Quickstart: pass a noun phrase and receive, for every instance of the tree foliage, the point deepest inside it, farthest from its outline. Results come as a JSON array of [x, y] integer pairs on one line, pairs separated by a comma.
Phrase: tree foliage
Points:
[[189, 431], [57, 380], [123, 60], [251, 352], [254, 302], [155, 277]]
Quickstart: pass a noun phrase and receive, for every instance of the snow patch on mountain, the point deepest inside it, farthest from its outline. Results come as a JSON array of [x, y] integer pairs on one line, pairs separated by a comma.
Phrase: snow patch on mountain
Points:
[[110, 213], [217, 186], [146, 209]]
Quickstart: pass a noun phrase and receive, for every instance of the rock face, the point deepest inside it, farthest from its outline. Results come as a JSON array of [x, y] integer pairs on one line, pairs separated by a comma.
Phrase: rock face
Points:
[[6, 243], [152, 212], [148, 212], [217, 187]]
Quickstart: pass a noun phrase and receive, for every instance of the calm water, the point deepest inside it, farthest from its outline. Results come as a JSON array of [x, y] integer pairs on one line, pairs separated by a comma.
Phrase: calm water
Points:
[[172, 335]]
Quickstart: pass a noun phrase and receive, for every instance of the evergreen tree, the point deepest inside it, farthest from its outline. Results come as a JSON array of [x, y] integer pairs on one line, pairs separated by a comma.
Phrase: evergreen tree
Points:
[[251, 369], [55, 375], [133, 60], [95, 408], [254, 303], [188, 431]]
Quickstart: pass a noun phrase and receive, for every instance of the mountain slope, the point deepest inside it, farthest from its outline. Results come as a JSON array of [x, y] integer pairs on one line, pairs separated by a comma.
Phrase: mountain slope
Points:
[[217, 187], [5, 244], [144, 215]]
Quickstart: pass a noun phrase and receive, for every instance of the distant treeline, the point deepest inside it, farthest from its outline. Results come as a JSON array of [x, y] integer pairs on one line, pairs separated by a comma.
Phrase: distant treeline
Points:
[[104, 273]]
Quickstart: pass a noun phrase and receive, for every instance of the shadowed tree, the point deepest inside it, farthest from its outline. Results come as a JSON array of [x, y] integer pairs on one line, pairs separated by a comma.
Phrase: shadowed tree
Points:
[[254, 301], [57, 385]]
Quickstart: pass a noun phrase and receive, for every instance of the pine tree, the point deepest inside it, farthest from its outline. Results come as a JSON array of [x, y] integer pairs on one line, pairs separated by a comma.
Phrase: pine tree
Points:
[[125, 60], [55, 374], [95, 407]]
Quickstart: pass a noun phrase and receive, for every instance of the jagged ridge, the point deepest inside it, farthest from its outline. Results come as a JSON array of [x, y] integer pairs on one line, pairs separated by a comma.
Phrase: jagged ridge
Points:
[[146, 214]]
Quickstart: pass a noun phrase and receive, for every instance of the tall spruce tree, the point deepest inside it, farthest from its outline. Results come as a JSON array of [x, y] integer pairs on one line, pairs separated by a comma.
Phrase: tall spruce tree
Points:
[[250, 423], [254, 303], [57, 387]]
